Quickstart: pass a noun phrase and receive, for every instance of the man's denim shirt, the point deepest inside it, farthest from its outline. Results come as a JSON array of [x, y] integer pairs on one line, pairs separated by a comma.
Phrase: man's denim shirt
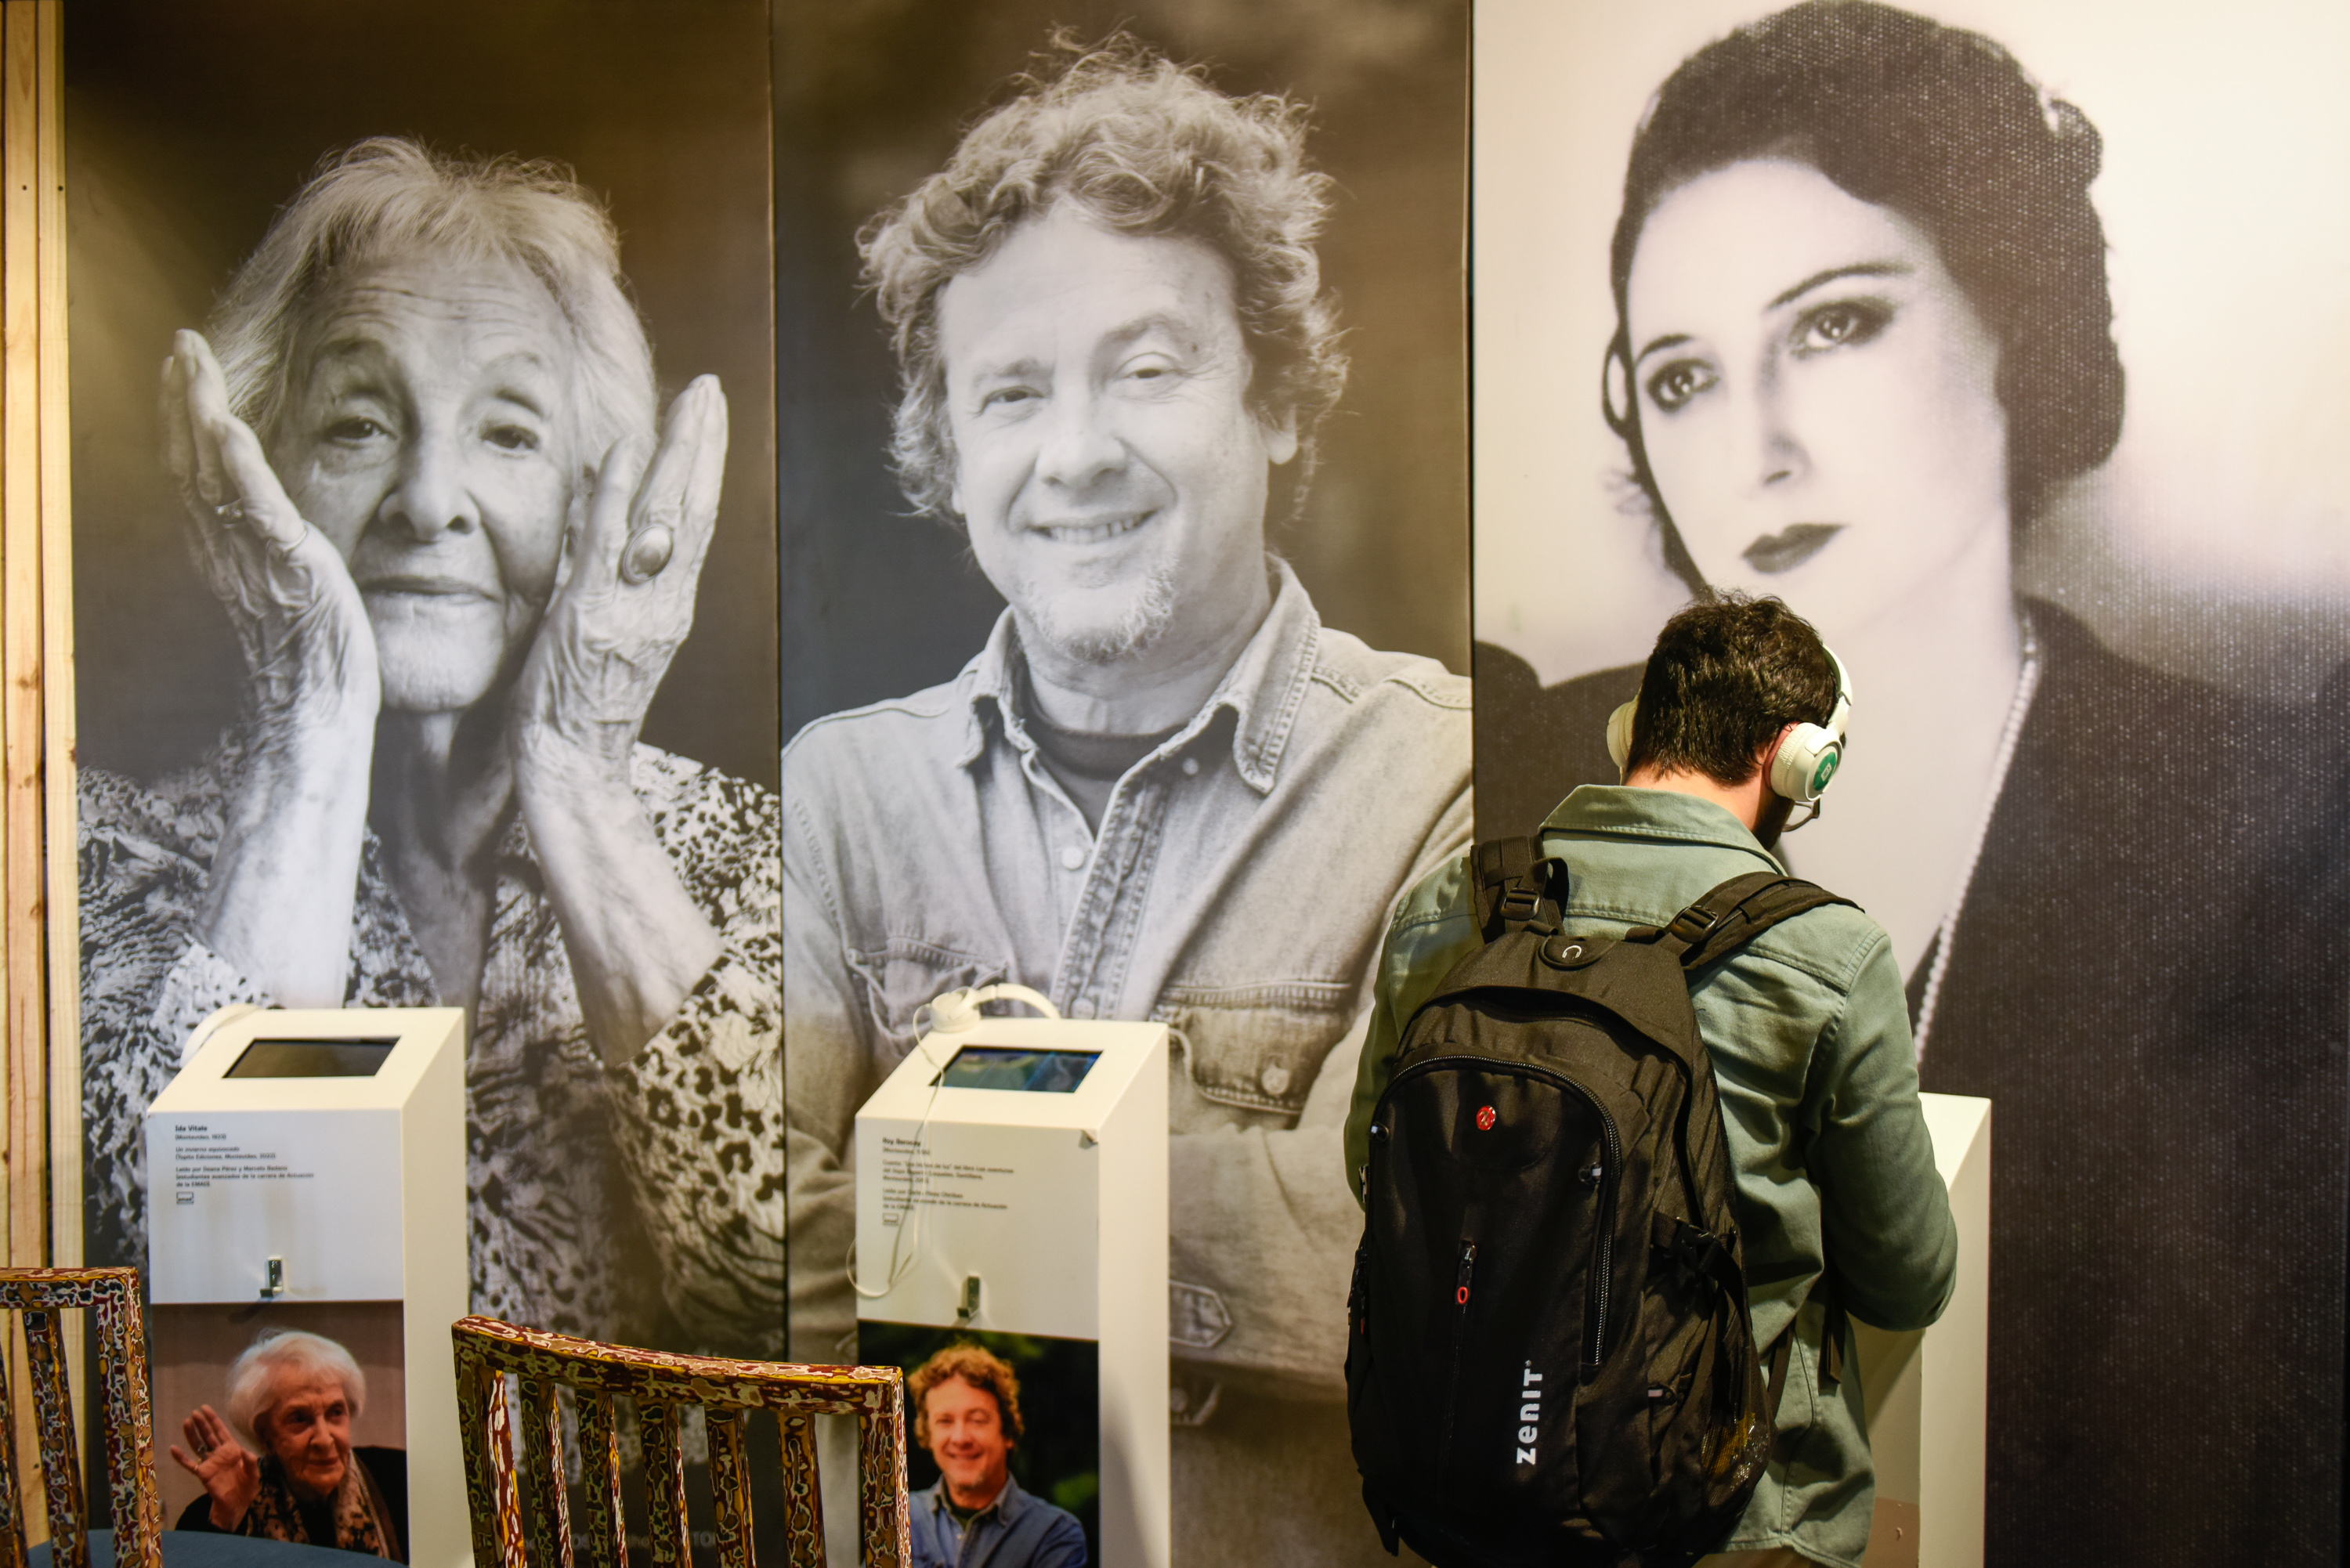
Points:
[[1237, 890], [996, 1539], [1809, 1032]]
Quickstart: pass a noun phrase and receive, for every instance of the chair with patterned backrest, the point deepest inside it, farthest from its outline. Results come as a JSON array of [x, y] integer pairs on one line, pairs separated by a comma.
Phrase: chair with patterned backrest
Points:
[[662, 1385], [113, 1295]]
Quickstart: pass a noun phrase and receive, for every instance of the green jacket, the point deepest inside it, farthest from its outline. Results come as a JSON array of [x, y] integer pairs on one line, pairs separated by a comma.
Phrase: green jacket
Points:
[[1810, 1035]]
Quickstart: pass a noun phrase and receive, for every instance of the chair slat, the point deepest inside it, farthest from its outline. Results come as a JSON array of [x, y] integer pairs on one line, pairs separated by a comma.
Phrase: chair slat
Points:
[[130, 1431], [803, 1499], [664, 1484], [599, 1468], [12, 1506], [730, 1486], [881, 1519], [550, 1502], [485, 1462], [60, 1458]]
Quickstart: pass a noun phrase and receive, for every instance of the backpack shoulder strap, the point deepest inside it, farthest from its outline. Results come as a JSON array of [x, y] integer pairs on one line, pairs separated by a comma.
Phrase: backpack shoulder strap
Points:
[[1736, 912], [1514, 881]]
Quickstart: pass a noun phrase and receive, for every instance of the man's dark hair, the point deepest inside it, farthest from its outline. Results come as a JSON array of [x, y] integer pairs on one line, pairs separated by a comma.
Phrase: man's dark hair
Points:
[[1726, 676]]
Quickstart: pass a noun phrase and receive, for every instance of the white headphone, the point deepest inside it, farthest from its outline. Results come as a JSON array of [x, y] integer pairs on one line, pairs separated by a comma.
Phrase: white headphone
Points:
[[1806, 761]]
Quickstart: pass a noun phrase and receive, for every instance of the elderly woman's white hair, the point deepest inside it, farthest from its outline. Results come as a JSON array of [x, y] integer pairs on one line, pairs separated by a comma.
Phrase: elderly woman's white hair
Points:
[[387, 196], [282, 1358]]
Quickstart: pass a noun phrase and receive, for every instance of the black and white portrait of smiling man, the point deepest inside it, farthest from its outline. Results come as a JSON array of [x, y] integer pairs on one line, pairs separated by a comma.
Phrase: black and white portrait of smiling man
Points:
[[1158, 783], [2005, 343]]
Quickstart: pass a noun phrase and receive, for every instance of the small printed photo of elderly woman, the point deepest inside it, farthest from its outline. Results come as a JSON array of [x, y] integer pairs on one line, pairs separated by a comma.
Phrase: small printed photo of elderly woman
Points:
[[278, 1464], [426, 480]]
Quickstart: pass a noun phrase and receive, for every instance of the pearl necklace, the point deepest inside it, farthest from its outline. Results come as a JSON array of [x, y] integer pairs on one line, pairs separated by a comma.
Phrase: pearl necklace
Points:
[[2027, 681]]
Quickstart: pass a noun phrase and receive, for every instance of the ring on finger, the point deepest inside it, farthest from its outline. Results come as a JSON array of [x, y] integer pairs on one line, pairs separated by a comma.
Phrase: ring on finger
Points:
[[646, 553], [230, 510]]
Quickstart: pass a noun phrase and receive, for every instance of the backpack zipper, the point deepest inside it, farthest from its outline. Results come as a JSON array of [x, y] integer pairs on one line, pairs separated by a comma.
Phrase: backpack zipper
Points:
[[1607, 1264], [1460, 1337], [1613, 1160]]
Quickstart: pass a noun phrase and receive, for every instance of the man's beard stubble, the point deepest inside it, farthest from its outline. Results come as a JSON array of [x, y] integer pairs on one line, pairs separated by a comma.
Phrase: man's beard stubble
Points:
[[1148, 610]]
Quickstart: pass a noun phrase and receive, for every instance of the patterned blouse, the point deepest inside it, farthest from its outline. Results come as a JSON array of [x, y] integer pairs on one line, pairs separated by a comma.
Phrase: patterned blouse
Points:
[[641, 1204]]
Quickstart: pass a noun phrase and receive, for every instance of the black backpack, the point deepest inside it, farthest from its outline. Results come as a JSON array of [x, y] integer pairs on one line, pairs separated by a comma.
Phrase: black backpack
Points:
[[1550, 1360]]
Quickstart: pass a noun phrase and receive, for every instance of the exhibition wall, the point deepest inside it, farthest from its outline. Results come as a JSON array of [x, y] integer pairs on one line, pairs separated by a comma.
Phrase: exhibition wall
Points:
[[874, 725]]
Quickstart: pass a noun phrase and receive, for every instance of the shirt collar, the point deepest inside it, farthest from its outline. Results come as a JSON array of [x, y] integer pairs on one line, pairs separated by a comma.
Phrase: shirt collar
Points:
[[1618, 811], [1262, 690], [1009, 1504]]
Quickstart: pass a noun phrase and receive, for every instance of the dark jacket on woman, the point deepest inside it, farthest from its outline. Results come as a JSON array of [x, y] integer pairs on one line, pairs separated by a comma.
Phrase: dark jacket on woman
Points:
[[2150, 980]]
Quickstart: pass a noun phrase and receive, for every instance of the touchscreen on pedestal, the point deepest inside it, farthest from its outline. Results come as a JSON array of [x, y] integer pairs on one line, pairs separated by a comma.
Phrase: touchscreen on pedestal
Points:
[[1024, 1071], [311, 1058]]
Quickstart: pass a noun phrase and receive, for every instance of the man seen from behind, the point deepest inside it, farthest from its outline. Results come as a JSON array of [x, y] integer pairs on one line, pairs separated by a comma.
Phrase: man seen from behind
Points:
[[1838, 1200]]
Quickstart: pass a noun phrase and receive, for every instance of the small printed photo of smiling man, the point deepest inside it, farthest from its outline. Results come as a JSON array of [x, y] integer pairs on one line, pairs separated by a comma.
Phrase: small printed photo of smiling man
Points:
[[970, 1418]]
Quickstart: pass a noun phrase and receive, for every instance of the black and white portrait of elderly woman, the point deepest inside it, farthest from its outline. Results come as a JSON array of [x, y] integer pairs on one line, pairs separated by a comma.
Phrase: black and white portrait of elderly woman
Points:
[[424, 476]]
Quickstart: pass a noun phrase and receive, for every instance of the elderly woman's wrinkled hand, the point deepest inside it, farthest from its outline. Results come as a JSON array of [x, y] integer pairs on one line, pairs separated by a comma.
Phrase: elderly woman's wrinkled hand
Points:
[[636, 941], [230, 1472], [309, 651], [627, 599]]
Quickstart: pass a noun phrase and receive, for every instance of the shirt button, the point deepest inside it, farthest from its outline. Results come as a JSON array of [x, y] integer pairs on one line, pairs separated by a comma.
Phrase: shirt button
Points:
[[1190, 767], [1073, 858], [1274, 1079]]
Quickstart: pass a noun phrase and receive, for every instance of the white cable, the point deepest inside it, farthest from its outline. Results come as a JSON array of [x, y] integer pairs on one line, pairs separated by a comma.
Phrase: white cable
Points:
[[911, 1215], [959, 1010], [951, 1013]]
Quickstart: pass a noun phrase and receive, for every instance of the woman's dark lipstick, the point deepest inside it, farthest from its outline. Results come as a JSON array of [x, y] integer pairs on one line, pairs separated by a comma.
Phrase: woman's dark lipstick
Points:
[[1790, 547]]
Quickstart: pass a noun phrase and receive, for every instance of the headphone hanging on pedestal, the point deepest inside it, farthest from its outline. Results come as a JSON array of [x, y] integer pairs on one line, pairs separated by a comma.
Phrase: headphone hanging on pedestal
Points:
[[1805, 763]]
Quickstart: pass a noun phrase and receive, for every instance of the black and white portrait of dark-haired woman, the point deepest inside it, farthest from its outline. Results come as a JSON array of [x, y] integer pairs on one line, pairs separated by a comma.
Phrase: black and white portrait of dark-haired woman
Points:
[[1932, 325]]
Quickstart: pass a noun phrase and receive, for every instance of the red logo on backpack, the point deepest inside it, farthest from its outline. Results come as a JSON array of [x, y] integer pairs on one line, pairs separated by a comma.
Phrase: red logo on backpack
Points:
[[1485, 1119]]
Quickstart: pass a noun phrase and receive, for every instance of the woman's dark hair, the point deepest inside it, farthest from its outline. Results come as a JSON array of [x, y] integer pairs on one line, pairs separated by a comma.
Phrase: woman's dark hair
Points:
[[1725, 677], [1943, 126]]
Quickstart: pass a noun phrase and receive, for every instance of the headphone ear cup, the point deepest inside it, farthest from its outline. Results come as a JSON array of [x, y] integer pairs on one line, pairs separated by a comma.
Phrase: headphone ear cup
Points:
[[1805, 763], [1619, 734]]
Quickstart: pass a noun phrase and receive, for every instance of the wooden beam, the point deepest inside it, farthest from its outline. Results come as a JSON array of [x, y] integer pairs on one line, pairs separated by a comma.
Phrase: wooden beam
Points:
[[60, 820], [24, 859], [21, 942]]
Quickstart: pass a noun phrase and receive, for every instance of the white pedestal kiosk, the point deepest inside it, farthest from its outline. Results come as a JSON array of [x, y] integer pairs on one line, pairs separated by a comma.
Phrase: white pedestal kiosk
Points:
[[320, 1157], [1012, 1178], [1928, 1391]]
